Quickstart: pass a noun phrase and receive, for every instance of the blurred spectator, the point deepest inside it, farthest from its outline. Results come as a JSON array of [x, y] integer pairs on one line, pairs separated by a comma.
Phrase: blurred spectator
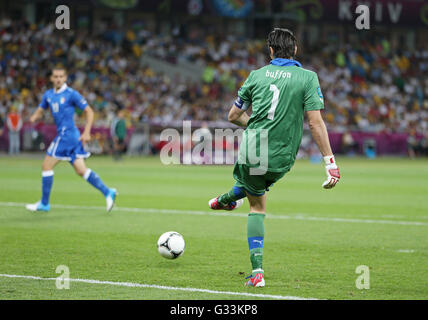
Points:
[[369, 148], [1, 125], [96, 144], [14, 124], [349, 145], [118, 134], [424, 145], [412, 144]]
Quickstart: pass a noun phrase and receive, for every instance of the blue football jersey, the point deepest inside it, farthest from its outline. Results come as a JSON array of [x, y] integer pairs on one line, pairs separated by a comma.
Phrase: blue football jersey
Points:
[[62, 105]]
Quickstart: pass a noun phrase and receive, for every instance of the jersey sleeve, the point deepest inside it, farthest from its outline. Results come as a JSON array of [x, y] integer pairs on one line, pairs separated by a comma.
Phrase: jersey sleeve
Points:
[[313, 98], [79, 101], [44, 103], [245, 94]]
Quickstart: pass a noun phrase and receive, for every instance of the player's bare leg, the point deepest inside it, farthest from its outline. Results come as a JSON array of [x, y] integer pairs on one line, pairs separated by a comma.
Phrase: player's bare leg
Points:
[[48, 165], [257, 203], [80, 167], [255, 234], [90, 176]]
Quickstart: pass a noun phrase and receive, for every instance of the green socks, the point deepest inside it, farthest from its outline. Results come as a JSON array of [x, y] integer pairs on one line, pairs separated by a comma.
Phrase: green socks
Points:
[[255, 234], [255, 229]]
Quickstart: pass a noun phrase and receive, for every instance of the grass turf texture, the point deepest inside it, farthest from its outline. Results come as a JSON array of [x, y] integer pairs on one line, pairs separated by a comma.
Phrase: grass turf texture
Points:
[[302, 257]]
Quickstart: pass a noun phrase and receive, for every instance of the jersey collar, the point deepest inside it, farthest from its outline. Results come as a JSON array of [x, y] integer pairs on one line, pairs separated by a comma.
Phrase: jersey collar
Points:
[[285, 62], [62, 89]]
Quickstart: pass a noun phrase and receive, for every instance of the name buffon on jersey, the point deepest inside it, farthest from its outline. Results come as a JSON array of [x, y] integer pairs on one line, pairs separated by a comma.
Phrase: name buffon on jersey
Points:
[[278, 74]]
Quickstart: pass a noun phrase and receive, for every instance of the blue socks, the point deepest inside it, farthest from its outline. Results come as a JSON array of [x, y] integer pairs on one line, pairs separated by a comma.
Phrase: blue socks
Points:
[[47, 181], [96, 181], [235, 194], [239, 192], [90, 176]]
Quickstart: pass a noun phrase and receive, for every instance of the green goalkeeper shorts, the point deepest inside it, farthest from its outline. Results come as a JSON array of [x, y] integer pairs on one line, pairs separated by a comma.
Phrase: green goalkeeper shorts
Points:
[[256, 185]]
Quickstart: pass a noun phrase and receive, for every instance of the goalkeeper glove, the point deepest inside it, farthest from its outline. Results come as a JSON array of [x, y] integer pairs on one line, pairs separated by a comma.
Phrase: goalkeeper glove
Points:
[[332, 170]]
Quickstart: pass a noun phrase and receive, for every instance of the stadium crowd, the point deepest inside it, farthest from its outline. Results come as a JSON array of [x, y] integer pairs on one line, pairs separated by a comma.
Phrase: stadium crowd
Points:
[[367, 86]]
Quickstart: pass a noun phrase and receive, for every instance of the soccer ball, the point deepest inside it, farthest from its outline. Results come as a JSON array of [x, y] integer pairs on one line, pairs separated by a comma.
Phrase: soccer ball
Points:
[[171, 245]]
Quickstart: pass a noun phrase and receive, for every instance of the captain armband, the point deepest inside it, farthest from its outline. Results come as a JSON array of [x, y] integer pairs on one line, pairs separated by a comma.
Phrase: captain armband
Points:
[[241, 104]]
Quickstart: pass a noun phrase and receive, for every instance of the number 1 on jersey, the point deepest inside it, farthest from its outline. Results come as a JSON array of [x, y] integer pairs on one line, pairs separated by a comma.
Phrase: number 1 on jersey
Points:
[[274, 103]]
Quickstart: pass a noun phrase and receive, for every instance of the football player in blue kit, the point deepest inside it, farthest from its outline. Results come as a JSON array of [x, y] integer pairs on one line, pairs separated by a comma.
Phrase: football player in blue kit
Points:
[[68, 144]]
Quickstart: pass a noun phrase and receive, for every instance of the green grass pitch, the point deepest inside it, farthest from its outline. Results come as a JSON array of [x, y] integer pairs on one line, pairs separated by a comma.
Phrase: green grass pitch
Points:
[[315, 239]]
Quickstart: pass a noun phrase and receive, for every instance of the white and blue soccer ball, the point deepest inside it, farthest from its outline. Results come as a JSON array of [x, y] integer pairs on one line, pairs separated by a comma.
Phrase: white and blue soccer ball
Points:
[[171, 245]]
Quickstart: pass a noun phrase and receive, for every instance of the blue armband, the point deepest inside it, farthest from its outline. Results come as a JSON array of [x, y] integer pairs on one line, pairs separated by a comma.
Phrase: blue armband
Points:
[[241, 104]]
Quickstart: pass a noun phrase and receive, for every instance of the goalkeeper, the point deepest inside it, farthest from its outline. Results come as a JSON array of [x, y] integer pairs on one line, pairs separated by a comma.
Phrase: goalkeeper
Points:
[[280, 94]]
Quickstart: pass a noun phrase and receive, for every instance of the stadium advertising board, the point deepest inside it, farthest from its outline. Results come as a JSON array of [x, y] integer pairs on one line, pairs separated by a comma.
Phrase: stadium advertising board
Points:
[[381, 11]]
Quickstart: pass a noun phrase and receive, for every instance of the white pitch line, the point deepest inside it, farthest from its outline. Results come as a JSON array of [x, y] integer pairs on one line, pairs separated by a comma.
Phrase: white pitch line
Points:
[[153, 286], [229, 214], [406, 250]]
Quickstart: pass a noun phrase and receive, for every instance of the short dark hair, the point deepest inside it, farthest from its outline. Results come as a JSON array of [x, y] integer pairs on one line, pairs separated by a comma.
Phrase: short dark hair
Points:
[[59, 67], [283, 43]]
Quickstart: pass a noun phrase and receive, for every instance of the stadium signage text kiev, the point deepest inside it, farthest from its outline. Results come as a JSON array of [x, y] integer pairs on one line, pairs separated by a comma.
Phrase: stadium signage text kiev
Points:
[[394, 10]]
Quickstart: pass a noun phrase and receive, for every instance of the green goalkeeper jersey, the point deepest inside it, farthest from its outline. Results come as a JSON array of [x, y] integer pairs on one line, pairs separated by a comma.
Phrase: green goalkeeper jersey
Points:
[[279, 93]]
